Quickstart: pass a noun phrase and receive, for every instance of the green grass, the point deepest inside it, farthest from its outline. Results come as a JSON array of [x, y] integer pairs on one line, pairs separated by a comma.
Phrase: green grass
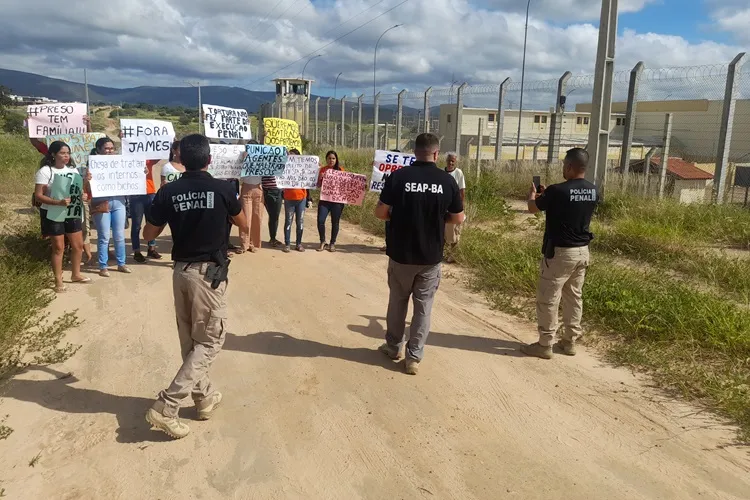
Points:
[[18, 163]]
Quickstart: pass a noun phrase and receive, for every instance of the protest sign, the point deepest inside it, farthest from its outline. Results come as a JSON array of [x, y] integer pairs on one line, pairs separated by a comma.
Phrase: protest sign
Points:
[[343, 187], [226, 123], [300, 172], [226, 161], [146, 139], [385, 163], [75, 209], [280, 132], [56, 118], [58, 190], [264, 160], [80, 145], [116, 175]]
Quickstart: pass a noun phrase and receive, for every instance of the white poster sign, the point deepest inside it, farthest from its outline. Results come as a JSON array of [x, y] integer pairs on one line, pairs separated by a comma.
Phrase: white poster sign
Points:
[[146, 139], [56, 118], [385, 163], [116, 175], [300, 172], [226, 123], [226, 161]]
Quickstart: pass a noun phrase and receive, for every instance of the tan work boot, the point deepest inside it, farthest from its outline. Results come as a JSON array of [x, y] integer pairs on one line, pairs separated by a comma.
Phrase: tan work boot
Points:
[[207, 406], [566, 347], [391, 352], [537, 350], [412, 366], [171, 426]]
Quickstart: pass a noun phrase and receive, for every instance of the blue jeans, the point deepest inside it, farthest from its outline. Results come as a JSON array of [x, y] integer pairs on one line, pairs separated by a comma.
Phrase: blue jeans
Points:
[[114, 219], [335, 209], [139, 206], [292, 209]]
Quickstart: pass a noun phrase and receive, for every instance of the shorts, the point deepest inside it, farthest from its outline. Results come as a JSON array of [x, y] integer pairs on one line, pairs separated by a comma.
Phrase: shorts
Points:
[[52, 228]]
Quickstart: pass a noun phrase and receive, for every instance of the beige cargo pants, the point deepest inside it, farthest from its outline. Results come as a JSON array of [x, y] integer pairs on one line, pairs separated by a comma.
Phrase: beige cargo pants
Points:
[[201, 322], [561, 277]]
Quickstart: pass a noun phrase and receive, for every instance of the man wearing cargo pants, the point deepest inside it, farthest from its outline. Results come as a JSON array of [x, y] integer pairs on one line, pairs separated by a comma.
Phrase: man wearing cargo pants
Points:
[[569, 207], [197, 208], [417, 201]]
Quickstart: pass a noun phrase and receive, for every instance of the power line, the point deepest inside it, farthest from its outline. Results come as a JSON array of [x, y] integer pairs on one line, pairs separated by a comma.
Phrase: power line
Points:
[[266, 18], [277, 18], [330, 43]]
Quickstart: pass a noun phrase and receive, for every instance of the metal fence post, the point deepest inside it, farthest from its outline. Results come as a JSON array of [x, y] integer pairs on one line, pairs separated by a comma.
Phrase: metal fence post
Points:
[[500, 120], [343, 121], [399, 117], [317, 138], [328, 120], [426, 110], [725, 132], [376, 107], [480, 134], [627, 140], [386, 144], [459, 116], [359, 121], [647, 170], [665, 154], [273, 110], [535, 156], [555, 127]]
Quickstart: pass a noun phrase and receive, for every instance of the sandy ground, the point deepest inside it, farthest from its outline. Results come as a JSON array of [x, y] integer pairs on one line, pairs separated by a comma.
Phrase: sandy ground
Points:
[[312, 411]]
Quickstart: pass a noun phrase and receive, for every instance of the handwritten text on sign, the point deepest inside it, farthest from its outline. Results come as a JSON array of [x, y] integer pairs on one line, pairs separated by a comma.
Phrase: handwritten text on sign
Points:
[[80, 145], [226, 161], [116, 175], [56, 118], [280, 132], [343, 187], [146, 139], [226, 123], [385, 163], [264, 160], [301, 172]]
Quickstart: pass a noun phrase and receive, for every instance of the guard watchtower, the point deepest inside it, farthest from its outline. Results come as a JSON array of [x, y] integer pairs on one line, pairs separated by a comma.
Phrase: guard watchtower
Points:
[[292, 99]]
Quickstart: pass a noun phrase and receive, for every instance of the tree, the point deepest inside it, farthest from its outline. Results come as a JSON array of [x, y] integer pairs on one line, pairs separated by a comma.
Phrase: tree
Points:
[[5, 100]]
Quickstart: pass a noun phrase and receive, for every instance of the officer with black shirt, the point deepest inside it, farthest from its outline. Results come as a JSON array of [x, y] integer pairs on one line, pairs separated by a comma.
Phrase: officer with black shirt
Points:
[[569, 208], [417, 201], [197, 208]]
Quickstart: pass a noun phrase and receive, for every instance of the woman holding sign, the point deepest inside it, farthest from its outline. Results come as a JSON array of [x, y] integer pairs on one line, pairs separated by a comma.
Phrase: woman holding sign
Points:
[[295, 202], [173, 170], [54, 183], [326, 207], [109, 214]]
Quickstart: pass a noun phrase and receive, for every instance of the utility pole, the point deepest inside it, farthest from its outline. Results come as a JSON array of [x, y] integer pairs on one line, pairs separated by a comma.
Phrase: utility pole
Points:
[[86, 89], [200, 104]]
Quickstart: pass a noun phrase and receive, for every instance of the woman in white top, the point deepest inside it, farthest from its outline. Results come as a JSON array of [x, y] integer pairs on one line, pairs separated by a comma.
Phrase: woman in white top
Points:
[[173, 170], [56, 163]]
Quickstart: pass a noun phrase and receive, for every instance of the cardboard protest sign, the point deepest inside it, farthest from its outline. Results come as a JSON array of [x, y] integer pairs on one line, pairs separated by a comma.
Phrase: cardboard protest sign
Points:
[[116, 175], [58, 190], [385, 163], [80, 145], [226, 123], [300, 172], [146, 139], [343, 187], [75, 209], [281, 132], [56, 118], [226, 161], [264, 160]]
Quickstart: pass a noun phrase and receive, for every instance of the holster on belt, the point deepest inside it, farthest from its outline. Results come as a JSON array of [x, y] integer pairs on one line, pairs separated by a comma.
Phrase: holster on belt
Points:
[[218, 270]]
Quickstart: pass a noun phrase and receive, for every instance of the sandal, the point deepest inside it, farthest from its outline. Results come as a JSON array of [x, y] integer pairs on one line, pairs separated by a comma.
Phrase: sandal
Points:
[[84, 279], [61, 289], [239, 251], [331, 247], [323, 246]]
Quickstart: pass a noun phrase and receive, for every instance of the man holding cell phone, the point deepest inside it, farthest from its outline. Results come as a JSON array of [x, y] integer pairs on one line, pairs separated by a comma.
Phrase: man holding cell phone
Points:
[[569, 207]]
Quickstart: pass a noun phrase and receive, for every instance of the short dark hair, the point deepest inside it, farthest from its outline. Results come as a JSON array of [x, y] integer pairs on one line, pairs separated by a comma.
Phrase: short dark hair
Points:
[[578, 158], [427, 142], [195, 152], [294, 151]]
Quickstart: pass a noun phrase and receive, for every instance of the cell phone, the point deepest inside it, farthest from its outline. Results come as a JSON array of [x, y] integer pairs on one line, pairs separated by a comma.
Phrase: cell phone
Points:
[[537, 180]]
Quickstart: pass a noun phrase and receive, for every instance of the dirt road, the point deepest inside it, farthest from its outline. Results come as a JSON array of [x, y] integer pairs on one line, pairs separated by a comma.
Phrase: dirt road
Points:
[[312, 411]]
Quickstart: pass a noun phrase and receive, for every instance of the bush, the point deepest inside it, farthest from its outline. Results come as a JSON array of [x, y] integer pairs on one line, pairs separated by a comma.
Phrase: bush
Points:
[[185, 120], [13, 124]]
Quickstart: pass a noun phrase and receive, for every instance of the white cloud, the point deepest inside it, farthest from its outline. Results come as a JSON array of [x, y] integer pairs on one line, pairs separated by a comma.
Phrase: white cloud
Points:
[[164, 42]]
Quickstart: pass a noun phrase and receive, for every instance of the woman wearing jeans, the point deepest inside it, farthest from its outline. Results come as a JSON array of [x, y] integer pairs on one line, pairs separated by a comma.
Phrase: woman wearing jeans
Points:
[[326, 207], [109, 213], [295, 202]]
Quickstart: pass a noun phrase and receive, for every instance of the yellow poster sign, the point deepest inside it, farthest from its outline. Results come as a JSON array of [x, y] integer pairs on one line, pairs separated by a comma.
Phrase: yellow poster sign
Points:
[[281, 132]]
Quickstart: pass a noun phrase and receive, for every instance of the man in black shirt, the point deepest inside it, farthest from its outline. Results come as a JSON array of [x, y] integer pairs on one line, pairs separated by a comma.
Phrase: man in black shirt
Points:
[[197, 208], [417, 201], [569, 208]]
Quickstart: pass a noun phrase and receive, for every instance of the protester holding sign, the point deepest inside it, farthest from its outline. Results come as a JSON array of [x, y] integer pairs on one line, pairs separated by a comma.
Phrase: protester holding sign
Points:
[[273, 199], [251, 196], [327, 207], [109, 214], [173, 170], [56, 167], [295, 202]]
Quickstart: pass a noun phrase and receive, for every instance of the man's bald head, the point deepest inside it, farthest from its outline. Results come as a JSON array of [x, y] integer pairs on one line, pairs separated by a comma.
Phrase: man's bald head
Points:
[[427, 147]]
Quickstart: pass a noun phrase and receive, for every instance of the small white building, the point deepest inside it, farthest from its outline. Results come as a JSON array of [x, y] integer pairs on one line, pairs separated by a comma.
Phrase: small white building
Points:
[[685, 181]]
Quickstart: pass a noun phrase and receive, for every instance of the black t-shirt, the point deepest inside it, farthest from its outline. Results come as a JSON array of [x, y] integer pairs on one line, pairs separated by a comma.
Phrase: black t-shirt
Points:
[[569, 208], [420, 197], [197, 208]]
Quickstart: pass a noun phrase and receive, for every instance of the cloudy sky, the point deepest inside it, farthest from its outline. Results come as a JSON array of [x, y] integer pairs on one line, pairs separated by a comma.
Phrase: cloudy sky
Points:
[[248, 42]]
